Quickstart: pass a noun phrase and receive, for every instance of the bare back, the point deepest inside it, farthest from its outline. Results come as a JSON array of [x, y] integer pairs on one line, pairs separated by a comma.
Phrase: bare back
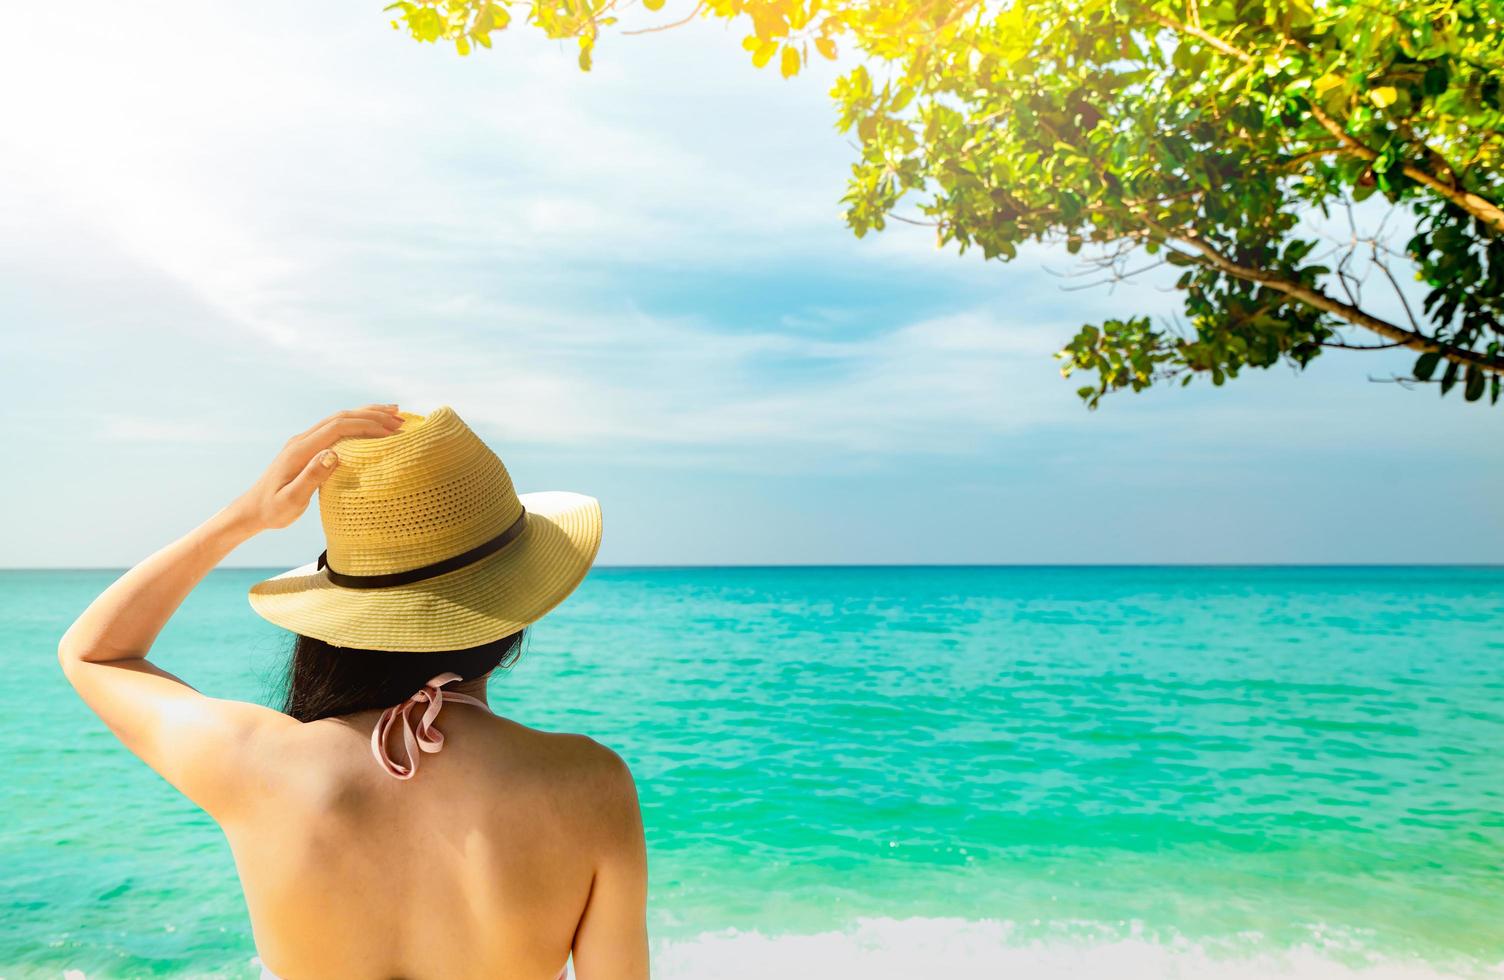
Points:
[[481, 865], [508, 852]]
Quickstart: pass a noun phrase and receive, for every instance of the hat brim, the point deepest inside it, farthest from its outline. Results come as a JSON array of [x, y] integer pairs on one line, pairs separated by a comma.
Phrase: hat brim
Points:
[[474, 605]]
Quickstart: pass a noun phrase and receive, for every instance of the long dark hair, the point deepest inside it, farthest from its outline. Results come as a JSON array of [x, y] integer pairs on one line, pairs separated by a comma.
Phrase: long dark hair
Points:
[[324, 680]]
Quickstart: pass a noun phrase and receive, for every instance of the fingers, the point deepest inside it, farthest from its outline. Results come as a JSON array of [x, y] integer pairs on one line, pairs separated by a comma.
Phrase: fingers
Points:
[[350, 426], [380, 413], [300, 489], [339, 425], [391, 420], [375, 413]]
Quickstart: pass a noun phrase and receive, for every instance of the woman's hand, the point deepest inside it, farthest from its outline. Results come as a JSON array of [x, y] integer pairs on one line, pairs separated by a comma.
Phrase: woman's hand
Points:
[[197, 743], [282, 493]]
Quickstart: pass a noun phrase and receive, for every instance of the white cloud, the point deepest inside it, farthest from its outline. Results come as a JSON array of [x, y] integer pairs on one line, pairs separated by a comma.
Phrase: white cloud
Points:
[[588, 379], [213, 239], [384, 217], [384, 225]]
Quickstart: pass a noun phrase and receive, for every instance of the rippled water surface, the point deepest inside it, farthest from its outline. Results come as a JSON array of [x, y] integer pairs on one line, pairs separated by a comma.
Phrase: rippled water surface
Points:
[[945, 764]]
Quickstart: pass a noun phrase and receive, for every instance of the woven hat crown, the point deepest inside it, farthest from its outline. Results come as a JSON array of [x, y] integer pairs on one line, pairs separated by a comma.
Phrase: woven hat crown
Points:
[[428, 492]]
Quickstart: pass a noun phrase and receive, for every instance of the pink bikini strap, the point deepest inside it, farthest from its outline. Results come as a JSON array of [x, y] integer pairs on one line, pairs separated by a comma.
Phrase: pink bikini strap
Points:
[[423, 737]]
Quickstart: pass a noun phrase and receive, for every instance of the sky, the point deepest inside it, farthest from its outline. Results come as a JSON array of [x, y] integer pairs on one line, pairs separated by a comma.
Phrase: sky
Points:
[[219, 223]]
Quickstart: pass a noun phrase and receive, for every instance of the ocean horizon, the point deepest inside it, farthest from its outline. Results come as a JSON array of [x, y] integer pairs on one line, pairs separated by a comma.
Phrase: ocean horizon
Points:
[[627, 566], [894, 770]]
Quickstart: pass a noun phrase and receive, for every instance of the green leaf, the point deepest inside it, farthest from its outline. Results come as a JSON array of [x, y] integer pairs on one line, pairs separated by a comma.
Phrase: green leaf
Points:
[[1426, 364], [1449, 378], [1476, 380], [1434, 82], [1326, 83]]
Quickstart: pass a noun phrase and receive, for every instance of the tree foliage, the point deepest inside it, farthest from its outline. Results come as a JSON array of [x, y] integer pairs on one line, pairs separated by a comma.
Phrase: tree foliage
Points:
[[1203, 133]]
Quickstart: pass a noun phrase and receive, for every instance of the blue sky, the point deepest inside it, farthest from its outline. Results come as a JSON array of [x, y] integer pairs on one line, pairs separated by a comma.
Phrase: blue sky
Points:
[[634, 283]]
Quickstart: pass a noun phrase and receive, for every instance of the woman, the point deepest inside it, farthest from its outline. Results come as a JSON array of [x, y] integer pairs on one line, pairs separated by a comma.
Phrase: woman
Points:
[[363, 849]]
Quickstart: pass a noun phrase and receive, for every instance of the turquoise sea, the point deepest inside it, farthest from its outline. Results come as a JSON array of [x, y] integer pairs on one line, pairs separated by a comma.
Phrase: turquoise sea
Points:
[[894, 772]]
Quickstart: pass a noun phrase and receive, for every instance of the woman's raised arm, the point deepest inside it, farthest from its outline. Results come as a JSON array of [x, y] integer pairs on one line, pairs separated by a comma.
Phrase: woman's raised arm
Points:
[[194, 741]]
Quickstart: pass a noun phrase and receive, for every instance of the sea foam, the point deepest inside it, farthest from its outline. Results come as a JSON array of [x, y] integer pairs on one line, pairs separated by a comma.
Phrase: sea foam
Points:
[[922, 948]]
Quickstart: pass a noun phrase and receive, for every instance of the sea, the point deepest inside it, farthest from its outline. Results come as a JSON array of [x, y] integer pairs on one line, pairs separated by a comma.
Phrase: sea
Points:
[[891, 772]]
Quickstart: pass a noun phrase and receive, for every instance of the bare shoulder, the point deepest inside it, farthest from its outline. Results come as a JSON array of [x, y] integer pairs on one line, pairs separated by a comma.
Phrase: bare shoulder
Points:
[[594, 777], [591, 764]]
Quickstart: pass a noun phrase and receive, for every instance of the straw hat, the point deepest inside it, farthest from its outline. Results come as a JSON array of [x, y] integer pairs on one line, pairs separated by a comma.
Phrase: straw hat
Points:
[[430, 547]]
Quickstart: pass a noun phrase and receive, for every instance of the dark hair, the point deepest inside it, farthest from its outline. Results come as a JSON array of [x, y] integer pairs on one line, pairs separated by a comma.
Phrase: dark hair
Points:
[[323, 680]]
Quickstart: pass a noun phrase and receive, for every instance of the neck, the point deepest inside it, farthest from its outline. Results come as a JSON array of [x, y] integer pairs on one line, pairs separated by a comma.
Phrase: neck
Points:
[[476, 688]]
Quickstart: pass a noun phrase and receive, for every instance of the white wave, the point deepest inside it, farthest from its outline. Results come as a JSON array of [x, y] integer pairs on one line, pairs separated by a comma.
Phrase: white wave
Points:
[[924, 948]]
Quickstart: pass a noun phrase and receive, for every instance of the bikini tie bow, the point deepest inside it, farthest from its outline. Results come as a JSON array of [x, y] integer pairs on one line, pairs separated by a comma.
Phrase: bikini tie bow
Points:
[[422, 737]]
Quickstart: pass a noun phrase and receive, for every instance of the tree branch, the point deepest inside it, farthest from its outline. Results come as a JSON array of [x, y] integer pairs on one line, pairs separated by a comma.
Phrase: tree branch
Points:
[[1295, 161], [668, 27], [1197, 32], [1341, 346], [1479, 207], [1321, 301]]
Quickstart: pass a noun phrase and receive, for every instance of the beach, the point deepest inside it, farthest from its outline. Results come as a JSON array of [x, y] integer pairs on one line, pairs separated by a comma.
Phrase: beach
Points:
[[894, 771]]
